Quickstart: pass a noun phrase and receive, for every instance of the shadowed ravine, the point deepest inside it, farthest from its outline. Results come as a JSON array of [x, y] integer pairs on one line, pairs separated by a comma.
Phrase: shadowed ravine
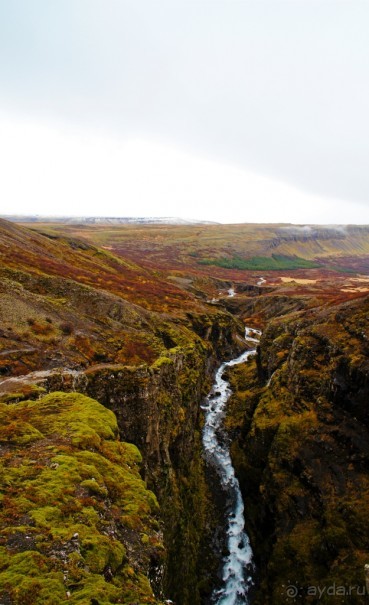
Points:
[[238, 565]]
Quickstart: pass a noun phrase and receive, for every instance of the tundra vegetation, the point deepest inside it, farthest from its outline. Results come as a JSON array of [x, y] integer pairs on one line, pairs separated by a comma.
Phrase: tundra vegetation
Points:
[[109, 337]]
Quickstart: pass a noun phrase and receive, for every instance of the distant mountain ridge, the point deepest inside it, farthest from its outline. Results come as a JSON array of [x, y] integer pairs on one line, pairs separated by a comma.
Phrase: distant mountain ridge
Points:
[[105, 220]]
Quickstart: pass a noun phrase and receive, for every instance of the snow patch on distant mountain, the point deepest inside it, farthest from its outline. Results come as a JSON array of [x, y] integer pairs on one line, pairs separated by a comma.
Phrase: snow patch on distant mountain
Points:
[[105, 220]]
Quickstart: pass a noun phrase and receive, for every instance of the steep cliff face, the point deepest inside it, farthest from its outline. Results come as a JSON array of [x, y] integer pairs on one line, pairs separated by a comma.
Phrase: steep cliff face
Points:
[[300, 416], [157, 409]]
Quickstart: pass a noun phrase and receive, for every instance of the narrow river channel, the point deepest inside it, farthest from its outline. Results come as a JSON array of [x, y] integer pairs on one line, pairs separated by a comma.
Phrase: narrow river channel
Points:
[[238, 567]]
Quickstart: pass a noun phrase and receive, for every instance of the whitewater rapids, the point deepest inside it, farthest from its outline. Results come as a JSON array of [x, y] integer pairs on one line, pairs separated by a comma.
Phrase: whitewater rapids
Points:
[[238, 565]]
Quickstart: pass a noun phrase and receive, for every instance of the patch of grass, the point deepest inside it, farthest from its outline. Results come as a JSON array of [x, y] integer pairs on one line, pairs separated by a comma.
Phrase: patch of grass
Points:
[[276, 262]]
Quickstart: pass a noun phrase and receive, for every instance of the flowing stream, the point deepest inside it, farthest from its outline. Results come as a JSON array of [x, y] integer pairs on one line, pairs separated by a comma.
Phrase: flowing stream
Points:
[[238, 564]]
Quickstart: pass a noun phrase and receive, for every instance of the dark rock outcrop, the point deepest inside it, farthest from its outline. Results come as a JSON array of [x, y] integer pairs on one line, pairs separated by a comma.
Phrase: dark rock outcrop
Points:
[[300, 417]]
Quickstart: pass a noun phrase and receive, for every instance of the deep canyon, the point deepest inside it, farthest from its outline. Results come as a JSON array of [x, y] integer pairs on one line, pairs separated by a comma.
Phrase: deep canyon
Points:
[[107, 358]]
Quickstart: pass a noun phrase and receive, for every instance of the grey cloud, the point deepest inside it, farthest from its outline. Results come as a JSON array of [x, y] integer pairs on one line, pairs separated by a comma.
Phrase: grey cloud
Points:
[[276, 86]]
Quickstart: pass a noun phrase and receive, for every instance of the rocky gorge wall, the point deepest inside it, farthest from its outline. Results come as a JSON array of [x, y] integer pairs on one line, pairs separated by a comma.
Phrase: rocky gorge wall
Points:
[[158, 409], [299, 418]]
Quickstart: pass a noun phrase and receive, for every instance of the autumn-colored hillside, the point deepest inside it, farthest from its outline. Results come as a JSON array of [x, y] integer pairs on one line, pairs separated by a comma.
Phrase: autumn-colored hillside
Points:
[[75, 296], [181, 243], [79, 296], [195, 257], [67, 303], [44, 254], [137, 317]]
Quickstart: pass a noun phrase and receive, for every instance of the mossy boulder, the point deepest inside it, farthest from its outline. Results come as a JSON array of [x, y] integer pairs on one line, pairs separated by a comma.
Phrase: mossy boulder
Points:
[[77, 521]]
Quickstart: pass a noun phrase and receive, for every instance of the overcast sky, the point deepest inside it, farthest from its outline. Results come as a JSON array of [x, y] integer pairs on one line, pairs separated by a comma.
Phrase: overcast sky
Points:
[[226, 110]]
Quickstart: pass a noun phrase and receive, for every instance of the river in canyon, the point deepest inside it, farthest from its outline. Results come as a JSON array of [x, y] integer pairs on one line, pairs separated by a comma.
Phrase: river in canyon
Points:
[[237, 565]]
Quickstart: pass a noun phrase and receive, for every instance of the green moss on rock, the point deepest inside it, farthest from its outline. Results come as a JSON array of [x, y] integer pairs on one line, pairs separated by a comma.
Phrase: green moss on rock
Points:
[[74, 507]]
